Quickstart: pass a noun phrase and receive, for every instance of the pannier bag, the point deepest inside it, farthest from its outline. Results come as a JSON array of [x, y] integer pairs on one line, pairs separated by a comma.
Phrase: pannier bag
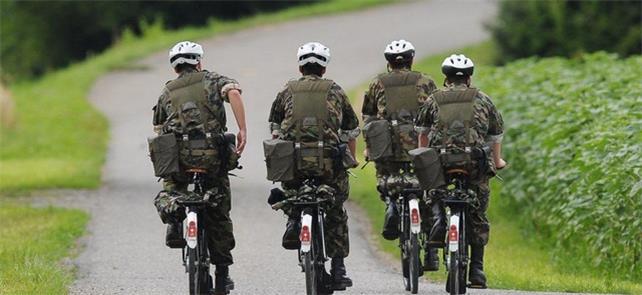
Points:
[[279, 158], [378, 139], [428, 167], [163, 150]]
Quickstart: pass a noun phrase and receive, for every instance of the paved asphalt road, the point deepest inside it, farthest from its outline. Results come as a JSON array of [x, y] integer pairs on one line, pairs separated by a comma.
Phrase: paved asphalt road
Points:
[[124, 251]]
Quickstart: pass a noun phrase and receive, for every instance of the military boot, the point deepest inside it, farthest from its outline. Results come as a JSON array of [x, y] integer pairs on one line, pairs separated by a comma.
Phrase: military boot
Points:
[[431, 259], [291, 236], [223, 284], [340, 280], [391, 222], [173, 236], [437, 236], [476, 274]]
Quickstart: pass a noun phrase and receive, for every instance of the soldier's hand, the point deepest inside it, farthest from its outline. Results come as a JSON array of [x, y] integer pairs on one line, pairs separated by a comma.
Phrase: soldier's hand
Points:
[[500, 164], [241, 140], [365, 153]]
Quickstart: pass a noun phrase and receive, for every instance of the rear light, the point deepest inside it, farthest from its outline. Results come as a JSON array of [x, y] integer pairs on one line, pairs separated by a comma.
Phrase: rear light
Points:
[[453, 235], [414, 216], [191, 229], [305, 235]]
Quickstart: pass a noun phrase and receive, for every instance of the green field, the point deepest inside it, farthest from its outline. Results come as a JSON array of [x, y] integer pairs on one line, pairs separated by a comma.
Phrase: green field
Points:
[[518, 257], [33, 242]]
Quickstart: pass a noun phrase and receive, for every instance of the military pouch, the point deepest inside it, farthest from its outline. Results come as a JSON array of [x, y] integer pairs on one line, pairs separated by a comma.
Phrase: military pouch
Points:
[[163, 150], [279, 159], [428, 167], [228, 151], [200, 153], [378, 140], [407, 140], [313, 160], [345, 158]]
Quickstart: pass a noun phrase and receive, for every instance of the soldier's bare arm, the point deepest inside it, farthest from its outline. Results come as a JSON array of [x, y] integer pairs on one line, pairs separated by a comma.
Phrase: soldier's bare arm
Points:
[[236, 102], [495, 132]]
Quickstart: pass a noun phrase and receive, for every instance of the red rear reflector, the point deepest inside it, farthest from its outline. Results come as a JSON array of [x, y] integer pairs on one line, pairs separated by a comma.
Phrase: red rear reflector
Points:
[[191, 229], [414, 216], [305, 234], [453, 236]]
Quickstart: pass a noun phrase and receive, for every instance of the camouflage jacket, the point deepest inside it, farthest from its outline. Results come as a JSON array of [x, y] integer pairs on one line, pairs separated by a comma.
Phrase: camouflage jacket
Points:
[[374, 100], [342, 126], [488, 123], [217, 87]]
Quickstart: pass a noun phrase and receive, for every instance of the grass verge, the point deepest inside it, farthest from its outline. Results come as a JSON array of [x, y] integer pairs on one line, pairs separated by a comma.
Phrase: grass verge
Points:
[[60, 139], [515, 259], [32, 243]]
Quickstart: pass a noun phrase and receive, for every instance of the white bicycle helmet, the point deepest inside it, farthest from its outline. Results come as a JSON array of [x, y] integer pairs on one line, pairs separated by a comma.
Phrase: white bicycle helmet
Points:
[[313, 52], [399, 50], [185, 52], [457, 65]]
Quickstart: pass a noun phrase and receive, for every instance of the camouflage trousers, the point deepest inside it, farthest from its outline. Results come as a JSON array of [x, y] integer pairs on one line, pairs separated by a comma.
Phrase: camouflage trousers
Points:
[[386, 170], [337, 242], [477, 224], [218, 224]]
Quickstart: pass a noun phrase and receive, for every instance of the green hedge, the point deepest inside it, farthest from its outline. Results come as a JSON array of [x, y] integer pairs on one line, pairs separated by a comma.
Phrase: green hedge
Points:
[[574, 140], [567, 28]]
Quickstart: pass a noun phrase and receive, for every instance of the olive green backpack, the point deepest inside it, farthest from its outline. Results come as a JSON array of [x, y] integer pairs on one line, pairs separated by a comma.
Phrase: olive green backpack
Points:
[[392, 137]]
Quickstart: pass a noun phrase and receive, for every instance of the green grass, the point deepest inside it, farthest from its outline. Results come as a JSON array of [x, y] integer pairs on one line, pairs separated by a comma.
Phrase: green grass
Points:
[[32, 243], [515, 259], [60, 139]]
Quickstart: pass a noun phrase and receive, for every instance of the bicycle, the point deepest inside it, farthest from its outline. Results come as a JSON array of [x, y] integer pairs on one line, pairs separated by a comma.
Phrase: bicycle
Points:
[[457, 199], [312, 253], [406, 197]]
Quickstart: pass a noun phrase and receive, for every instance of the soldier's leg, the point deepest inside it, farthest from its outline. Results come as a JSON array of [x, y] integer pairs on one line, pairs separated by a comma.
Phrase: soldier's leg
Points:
[[336, 232], [431, 257], [479, 229], [219, 224], [170, 212], [290, 240], [390, 229], [336, 222]]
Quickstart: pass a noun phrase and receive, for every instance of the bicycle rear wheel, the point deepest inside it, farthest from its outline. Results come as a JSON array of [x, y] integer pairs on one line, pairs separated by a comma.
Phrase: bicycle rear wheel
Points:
[[311, 275], [413, 263], [192, 270]]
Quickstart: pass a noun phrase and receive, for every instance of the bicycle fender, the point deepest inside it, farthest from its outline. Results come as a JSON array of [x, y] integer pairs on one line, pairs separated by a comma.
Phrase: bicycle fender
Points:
[[306, 233], [453, 234], [415, 216], [191, 229]]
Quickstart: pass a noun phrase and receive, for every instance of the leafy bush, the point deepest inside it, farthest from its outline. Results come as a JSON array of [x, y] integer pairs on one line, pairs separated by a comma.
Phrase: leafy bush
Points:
[[566, 28], [574, 139]]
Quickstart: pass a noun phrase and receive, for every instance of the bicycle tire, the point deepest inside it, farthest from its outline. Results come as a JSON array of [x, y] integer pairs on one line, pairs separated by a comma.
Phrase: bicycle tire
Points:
[[413, 263], [311, 276], [192, 271]]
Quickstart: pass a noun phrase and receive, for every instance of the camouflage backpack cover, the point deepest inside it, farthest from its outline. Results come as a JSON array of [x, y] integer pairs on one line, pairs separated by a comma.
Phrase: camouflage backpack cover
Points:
[[303, 156], [197, 140], [390, 139]]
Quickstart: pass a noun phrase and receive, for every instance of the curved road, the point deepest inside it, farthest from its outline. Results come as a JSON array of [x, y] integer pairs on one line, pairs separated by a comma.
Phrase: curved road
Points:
[[124, 251]]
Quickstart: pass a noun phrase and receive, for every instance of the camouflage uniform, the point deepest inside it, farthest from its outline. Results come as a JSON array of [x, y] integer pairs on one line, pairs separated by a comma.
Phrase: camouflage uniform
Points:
[[374, 108], [342, 126], [488, 127], [218, 223]]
